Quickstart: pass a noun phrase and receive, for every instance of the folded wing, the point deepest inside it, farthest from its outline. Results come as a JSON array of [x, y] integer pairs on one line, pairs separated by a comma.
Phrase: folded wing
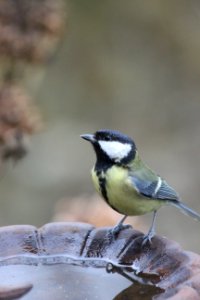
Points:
[[156, 189]]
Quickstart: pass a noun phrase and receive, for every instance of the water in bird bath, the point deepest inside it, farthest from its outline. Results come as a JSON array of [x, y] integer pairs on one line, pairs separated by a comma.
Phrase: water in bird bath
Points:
[[74, 282]]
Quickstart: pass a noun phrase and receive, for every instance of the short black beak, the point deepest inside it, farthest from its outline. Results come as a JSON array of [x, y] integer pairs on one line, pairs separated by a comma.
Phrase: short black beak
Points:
[[88, 137]]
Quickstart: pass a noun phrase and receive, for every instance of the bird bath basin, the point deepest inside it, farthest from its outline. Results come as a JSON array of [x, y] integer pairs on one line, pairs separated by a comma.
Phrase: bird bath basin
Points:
[[77, 261]]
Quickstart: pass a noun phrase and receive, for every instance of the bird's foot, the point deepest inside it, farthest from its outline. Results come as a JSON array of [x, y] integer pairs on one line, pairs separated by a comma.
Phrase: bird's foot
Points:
[[119, 227], [147, 238]]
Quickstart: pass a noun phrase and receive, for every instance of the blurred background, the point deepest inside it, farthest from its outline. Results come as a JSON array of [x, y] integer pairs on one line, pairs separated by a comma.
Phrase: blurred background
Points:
[[77, 66]]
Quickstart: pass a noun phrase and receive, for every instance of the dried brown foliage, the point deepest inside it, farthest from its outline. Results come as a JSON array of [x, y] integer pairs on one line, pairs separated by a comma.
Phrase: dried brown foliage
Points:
[[18, 120], [29, 29]]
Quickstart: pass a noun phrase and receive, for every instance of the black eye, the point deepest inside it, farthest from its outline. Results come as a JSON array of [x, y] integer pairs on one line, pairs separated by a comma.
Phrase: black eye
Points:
[[107, 138]]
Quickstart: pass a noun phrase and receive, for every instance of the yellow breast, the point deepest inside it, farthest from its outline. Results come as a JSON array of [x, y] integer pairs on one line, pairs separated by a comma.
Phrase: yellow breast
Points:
[[121, 194]]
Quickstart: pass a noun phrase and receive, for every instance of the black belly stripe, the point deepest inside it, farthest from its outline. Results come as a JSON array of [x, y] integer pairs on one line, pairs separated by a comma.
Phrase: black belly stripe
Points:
[[102, 186]]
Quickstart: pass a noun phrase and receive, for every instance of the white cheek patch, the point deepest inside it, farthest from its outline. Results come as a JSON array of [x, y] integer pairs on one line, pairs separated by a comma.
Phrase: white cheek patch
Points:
[[115, 150]]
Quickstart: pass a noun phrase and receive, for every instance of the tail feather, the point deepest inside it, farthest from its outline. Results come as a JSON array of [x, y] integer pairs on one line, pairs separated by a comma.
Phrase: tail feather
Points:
[[186, 210]]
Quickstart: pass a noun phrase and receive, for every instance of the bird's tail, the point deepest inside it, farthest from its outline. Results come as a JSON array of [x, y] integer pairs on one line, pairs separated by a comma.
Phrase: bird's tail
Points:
[[186, 210]]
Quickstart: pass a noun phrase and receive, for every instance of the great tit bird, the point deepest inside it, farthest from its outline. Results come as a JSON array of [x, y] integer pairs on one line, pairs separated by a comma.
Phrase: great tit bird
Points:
[[126, 183]]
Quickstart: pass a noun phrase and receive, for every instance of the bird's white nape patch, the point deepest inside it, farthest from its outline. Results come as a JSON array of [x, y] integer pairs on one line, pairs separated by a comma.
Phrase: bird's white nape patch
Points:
[[115, 150]]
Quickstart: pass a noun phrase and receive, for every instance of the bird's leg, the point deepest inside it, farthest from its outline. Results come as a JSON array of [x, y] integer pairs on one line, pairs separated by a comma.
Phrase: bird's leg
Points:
[[147, 237], [120, 226]]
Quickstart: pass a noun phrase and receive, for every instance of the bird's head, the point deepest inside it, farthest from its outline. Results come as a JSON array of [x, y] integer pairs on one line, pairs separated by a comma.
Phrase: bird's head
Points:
[[112, 146]]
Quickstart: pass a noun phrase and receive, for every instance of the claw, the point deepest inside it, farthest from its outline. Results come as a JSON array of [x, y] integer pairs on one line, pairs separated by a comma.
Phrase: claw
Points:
[[147, 239], [119, 227]]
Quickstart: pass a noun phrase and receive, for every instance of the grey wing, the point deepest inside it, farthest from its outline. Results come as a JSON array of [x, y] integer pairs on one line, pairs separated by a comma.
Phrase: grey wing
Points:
[[157, 189], [166, 192]]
